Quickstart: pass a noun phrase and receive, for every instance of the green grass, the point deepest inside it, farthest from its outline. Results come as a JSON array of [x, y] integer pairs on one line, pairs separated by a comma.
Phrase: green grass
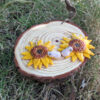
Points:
[[15, 18]]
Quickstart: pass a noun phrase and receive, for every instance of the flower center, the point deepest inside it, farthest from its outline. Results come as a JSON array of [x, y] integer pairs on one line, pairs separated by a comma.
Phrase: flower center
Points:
[[39, 51], [77, 45]]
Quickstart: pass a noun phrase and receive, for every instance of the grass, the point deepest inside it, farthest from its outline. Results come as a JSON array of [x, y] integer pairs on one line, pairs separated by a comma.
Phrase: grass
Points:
[[18, 15]]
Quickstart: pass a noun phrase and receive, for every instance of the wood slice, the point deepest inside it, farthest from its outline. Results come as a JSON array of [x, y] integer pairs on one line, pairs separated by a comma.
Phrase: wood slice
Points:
[[52, 31]]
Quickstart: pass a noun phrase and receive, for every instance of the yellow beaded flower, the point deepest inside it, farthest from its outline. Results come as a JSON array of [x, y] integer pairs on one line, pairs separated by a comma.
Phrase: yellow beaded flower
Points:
[[37, 54], [77, 48]]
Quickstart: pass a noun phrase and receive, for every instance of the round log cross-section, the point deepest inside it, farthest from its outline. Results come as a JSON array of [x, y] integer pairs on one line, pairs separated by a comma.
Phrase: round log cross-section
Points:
[[52, 31]]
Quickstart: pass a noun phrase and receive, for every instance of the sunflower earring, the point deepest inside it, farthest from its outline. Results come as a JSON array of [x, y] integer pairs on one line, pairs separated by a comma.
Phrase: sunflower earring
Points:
[[40, 54], [77, 47]]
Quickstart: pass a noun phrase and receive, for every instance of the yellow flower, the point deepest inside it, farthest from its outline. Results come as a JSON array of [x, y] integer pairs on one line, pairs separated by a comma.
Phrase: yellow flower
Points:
[[81, 47], [37, 54]]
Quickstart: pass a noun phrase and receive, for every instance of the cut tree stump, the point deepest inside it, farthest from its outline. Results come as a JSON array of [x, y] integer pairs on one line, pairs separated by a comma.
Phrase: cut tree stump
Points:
[[52, 31]]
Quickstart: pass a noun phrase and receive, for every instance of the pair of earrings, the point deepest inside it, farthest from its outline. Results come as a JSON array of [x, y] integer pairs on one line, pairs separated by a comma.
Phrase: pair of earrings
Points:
[[43, 54], [58, 54]]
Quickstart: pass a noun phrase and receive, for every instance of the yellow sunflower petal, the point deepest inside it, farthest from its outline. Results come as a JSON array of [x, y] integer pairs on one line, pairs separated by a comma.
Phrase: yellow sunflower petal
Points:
[[60, 49], [86, 37], [40, 65], [87, 41], [50, 61], [68, 56], [44, 61], [90, 41], [74, 58], [28, 48], [71, 54], [62, 41], [51, 47], [75, 36], [86, 55], [80, 56], [64, 45], [80, 37], [27, 57], [36, 63], [39, 42], [30, 63], [66, 39], [91, 47], [88, 52], [47, 43], [31, 44], [47, 59], [25, 53]]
